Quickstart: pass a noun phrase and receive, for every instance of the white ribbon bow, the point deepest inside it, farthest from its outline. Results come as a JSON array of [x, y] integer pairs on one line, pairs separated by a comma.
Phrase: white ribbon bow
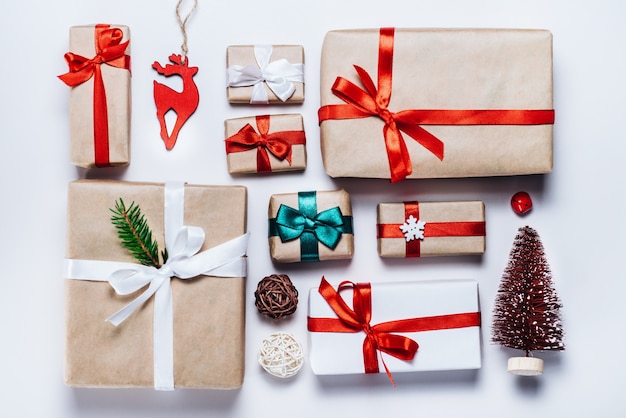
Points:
[[184, 262], [278, 75]]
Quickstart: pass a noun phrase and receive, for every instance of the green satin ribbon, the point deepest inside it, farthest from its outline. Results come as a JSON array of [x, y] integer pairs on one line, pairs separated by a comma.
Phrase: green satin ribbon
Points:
[[308, 225]]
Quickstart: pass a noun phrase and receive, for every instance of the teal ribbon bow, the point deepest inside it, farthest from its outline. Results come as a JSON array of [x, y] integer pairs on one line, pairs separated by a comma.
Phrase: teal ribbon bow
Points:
[[310, 226]]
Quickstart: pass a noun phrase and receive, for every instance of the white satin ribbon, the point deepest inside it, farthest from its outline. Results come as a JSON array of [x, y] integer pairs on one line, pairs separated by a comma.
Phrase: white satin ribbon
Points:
[[278, 75], [184, 261]]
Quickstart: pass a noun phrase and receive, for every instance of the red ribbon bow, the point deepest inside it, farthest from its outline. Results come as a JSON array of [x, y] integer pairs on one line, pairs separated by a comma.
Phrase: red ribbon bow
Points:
[[379, 337], [109, 50], [374, 101], [431, 229], [278, 143]]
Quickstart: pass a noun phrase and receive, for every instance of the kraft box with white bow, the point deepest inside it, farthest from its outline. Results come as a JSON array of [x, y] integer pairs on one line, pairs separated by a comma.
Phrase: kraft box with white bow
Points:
[[265, 74], [177, 326]]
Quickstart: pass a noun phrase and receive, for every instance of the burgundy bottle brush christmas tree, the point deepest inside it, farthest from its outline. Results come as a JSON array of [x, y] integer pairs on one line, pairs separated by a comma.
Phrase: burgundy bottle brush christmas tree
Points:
[[526, 314]]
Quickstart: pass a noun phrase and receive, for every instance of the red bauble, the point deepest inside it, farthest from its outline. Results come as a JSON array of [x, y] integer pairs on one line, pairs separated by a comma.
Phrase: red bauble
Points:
[[521, 203]]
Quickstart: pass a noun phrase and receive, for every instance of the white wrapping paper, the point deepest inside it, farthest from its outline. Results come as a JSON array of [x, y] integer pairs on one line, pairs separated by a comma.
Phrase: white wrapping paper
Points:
[[452, 349]]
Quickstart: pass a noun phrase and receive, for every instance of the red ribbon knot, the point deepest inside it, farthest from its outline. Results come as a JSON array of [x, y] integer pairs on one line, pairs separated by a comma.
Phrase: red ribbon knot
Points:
[[369, 331], [373, 101], [387, 117], [278, 144], [110, 50]]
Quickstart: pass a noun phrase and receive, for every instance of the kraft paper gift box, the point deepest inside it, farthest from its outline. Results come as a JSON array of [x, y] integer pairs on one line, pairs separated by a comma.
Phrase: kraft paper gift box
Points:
[[265, 74], [430, 325], [310, 226], [451, 103], [421, 229], [208, 310], [100, 95], [265, 143]]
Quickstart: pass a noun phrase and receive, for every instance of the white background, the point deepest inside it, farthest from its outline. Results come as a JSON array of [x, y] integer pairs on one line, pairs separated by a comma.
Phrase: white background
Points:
[[578, 209]]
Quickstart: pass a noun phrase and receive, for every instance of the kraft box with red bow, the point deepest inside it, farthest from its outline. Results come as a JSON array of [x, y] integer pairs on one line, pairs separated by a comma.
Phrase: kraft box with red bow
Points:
[[265, 74], [100, 95], [421, 229], [394, 327], [265, 144], [436, 103], [180, 325], [310, 226]]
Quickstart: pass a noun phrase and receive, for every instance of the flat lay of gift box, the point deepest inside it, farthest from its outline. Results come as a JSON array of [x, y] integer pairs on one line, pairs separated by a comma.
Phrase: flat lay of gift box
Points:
[[310, 226], [208, 309], [265, 144], [265, 74], [100, 95], [436, 103], [421, 229], [394, 326]]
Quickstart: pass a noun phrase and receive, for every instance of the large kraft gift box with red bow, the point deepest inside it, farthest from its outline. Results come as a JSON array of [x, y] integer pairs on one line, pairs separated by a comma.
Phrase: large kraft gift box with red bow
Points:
[[422, 229], [394, 327], [208, 311], [265, 74], [436, 103], [100, 95], [265, 144], [310, 226]]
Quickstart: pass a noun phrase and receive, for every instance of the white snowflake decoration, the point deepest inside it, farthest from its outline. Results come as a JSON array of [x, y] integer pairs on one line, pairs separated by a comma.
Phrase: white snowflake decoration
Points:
[[413, 228]]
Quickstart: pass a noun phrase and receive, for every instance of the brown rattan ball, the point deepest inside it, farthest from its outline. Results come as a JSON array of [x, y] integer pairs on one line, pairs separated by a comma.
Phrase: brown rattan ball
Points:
[[276, 296]]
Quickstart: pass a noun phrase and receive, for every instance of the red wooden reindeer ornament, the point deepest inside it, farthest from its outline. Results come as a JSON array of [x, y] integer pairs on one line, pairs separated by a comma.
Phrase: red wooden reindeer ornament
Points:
[[184, 103]]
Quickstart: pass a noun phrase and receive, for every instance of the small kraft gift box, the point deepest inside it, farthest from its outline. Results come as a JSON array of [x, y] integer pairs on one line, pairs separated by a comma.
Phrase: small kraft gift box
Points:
[[436, 103], [421, 229], [310, 226], [180, 325], [394, 327], [265, 74], [100, 95], [265, 144]]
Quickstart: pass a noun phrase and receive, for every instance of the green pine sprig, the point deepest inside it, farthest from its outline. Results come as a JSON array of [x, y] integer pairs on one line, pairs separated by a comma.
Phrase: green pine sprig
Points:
[[135, 234]]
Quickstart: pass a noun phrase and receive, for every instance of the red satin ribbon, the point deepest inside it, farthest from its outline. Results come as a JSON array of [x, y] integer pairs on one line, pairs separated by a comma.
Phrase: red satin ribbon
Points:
[[380, 337], [431, 229], [109, 50], [278, 143], [373, 101]]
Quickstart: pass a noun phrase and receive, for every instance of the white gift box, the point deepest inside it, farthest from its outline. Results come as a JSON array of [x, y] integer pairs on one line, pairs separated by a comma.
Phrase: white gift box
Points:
[[335, 353]]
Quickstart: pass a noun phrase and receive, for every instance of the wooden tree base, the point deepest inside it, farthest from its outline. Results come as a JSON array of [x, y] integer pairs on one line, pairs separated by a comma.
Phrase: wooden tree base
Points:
[[525, 366]]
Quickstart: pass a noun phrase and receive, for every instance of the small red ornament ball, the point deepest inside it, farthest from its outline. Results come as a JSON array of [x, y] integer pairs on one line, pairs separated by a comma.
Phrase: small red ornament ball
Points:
[[521, 203]]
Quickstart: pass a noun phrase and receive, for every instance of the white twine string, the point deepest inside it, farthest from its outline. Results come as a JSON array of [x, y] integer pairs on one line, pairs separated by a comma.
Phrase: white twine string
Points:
[[183, 23]]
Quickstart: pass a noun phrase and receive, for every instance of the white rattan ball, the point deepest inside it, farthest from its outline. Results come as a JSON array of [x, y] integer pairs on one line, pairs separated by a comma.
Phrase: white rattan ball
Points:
[[281, 355]]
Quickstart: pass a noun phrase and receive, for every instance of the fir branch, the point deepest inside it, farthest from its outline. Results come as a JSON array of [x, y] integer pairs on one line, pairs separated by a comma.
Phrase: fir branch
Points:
[[135, 234]]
